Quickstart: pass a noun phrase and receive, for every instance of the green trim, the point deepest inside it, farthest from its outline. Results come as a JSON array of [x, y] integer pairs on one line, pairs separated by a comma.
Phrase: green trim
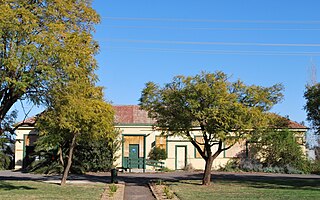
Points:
[[141, 124], [122, 155], [144, 153], [144, 148], [186, 151], [24, 150]]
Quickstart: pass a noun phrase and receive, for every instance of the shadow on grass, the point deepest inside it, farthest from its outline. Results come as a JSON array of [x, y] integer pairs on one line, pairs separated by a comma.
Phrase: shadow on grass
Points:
[[8, 186], [260, 181]]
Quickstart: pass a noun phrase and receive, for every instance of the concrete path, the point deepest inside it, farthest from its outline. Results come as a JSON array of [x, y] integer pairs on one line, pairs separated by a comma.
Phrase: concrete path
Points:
[[135, 191]]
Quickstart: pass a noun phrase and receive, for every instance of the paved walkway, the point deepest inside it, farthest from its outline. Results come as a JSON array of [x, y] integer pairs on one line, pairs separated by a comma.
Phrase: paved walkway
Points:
[[134, 191]]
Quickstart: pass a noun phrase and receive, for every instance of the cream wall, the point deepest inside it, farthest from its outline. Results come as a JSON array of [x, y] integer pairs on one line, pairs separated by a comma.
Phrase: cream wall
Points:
[[172, 142], [19, 144], [150, 136]]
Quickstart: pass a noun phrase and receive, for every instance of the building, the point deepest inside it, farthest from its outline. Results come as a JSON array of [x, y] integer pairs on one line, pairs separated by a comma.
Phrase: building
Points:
[[138, 138]]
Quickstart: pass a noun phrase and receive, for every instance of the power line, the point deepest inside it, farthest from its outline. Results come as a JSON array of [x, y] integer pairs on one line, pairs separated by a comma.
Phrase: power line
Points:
[[215, 29], [213, 20], [214, 43], [267, 53]]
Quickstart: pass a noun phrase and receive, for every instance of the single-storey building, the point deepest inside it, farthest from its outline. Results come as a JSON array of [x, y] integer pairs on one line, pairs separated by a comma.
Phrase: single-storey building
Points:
[[138, 138]]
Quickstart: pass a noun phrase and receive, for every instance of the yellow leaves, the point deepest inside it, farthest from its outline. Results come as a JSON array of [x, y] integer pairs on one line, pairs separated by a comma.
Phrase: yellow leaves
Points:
[[211, 101], [78, 107]]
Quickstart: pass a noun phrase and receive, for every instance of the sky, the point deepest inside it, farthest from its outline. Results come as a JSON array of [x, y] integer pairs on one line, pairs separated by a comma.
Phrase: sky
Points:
[[260, 42]]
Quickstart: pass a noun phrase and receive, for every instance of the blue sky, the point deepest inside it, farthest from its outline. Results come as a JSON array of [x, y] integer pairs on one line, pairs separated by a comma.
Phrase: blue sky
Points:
[[259, 42]]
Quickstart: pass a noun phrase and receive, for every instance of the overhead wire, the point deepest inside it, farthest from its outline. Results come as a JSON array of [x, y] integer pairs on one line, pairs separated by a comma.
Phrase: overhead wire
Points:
[[237, 52], [214, 43], [213, 20], [214, 29]]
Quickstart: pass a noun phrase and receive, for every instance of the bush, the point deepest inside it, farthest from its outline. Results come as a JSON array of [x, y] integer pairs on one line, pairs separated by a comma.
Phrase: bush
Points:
[[95, 155], [157, 154], [280, 149], [188, 168], [252, 165], [166, 169]]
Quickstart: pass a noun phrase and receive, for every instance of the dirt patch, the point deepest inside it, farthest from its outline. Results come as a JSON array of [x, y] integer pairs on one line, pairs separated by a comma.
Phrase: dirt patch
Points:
[[162, 192], [118, 195]]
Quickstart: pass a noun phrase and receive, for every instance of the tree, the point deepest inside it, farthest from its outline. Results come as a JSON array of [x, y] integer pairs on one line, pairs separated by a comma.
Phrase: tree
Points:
[[76, 110], [312, 106], [96, 154], [222, 112], [42, 43]]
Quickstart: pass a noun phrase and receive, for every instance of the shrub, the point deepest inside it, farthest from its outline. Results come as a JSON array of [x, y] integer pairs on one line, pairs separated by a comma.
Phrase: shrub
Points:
[[188, 167], [167, 192], [157, 153], [95, 155], [112, 189], [166, 169], [280, 149]]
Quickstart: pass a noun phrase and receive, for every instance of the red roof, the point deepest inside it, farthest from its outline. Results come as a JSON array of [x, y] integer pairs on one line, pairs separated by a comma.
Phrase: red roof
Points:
[[30, 121], [131, 114], [296, 125]]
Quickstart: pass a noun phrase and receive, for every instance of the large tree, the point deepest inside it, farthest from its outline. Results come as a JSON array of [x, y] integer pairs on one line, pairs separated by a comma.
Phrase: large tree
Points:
[[222, 112], [75, 110], [312, 106], [42, 43]]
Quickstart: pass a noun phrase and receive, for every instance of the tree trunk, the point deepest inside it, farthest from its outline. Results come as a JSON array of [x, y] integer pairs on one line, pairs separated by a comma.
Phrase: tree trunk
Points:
[[67, 167], [207, 171], [61, 156]]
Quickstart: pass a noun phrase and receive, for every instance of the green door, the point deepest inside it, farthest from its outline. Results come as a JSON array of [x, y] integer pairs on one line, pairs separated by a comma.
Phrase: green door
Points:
[[133, 155]]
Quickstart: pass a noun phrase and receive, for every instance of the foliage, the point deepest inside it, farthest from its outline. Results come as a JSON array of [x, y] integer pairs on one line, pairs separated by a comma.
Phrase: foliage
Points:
[[112, 189], [252, 165], [157, 153], [188, 167], [43, 43], [89, 156], [222, 111], [166, 169], [96, 155], [167, 192], [279, 148], [5, 160], [7, 141], [75, 110], [312, 106], [273, 151], [6, 152], [315, 167]]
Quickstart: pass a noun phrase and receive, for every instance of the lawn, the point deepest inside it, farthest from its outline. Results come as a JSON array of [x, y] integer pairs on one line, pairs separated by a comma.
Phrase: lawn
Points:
[[38, 190], [279, 188]]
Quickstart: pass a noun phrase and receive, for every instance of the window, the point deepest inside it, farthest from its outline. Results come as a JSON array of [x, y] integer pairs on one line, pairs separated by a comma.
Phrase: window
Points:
[[161, 142], [199, 139]]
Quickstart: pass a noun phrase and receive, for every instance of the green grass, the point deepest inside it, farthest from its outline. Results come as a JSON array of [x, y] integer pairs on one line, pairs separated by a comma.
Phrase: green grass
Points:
[[248, 189], [26, 190]]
